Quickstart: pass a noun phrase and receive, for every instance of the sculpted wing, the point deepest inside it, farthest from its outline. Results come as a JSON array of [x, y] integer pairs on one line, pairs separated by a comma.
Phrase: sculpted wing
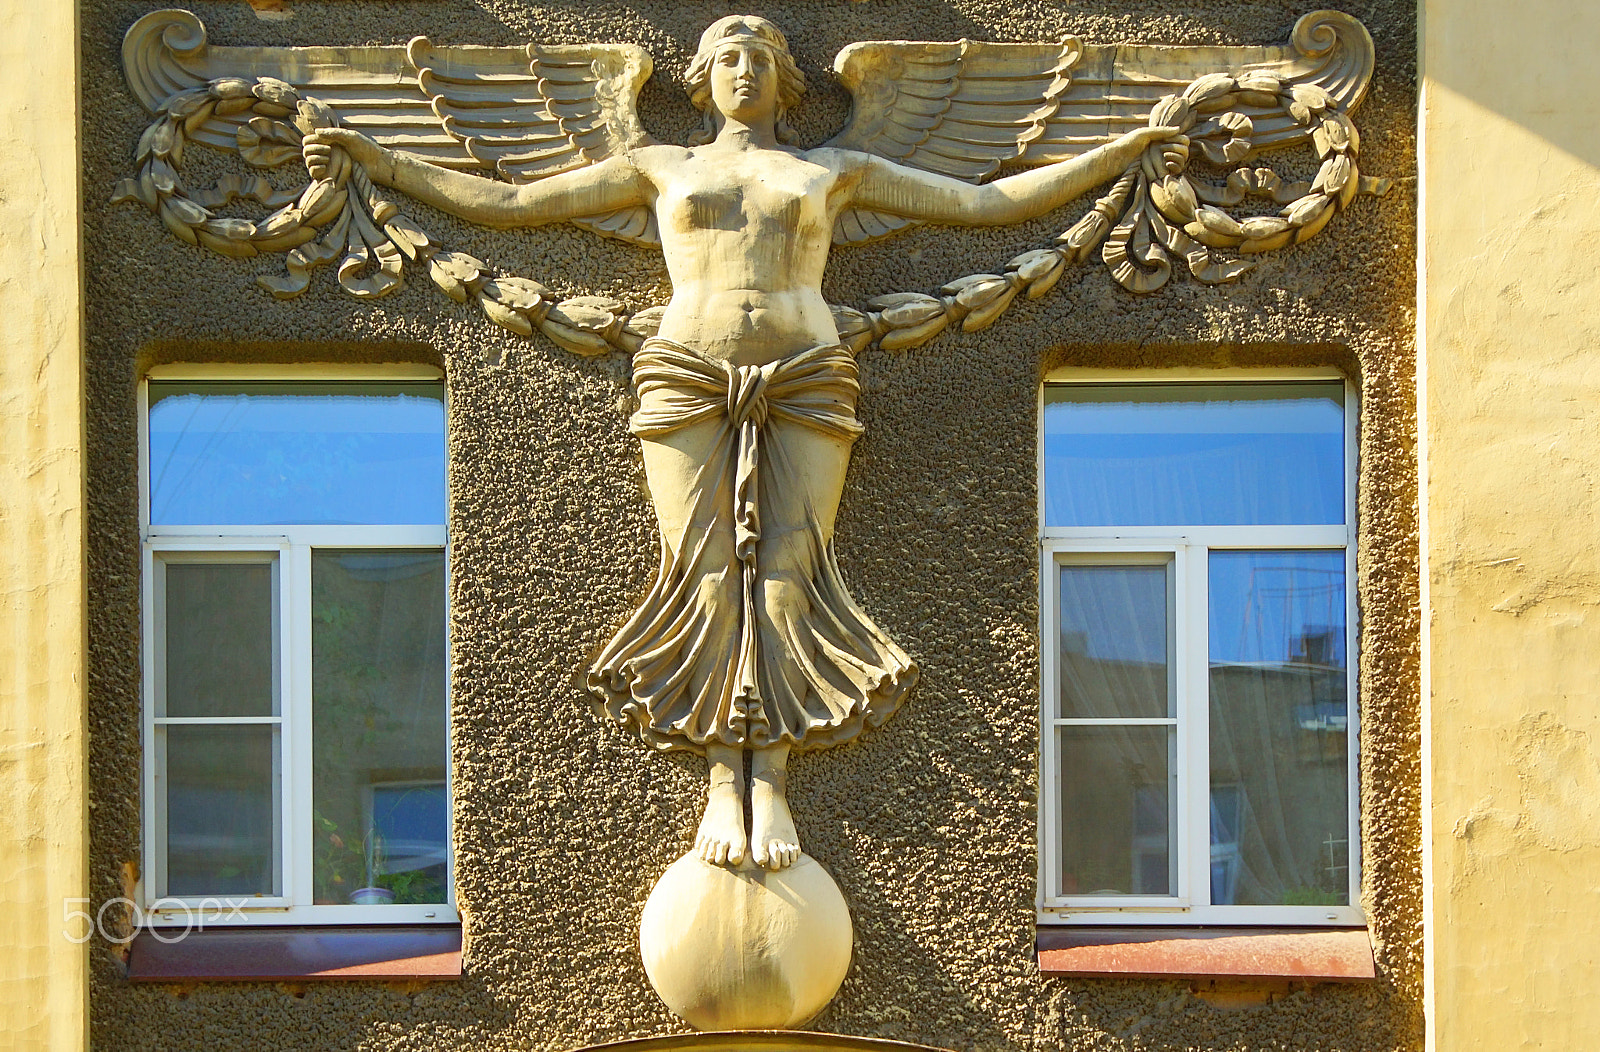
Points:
[[1115, 87], [520, 112], [961, 108], [965, 108], [562, 107]]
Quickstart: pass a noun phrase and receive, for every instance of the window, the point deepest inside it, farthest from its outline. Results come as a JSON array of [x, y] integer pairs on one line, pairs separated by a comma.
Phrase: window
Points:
[[1198, 725], [295, 652]]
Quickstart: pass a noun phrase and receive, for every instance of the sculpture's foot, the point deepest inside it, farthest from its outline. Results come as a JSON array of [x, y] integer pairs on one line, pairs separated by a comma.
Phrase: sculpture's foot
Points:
[[772, 832], [721, 840]]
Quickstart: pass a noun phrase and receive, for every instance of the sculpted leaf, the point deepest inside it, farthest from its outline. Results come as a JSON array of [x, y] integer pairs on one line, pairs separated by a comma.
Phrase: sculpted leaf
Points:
[[280, 222], [597, 314], [1307, 209], [854, 327], [916, 335], [271, 89], [185, 103], [1334, 176], [1263, 226], [647, 323], [907, 308], [232, 229], [976, 290], [187, 211], [265, 156], [1037, 265], [1208, 87], [407, 236], [1175, 197], [504, 315], [516, 293], [456, 273]]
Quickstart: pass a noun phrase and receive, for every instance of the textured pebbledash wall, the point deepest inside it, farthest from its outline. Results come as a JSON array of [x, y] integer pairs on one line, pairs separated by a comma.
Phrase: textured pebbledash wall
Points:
[[563, 823]]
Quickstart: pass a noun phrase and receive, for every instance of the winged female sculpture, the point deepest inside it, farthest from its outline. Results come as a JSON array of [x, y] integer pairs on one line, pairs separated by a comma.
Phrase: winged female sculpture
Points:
[[747, 641]]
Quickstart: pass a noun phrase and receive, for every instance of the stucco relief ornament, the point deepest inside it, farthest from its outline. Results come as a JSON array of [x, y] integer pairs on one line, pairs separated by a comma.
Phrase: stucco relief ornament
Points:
[[748, 643]]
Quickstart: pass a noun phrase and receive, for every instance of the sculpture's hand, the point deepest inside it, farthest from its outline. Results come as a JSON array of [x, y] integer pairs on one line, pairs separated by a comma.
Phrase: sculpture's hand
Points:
[[1174, 146], [329, 152], [1175, 155]]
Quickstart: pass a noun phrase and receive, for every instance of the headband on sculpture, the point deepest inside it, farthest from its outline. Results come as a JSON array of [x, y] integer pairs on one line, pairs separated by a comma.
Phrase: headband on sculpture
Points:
[[743, 29]]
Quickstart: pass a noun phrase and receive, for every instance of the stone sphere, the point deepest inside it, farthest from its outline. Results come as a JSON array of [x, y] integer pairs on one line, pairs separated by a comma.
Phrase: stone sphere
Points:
[[745, 948]]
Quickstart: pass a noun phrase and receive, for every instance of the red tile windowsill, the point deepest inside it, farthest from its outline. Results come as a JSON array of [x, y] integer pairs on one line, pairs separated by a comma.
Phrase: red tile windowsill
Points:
[[1298, 954], [407, 952]]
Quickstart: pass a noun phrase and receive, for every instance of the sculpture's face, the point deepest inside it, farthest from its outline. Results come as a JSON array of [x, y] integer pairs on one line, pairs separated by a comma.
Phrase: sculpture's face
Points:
[[744, 82]]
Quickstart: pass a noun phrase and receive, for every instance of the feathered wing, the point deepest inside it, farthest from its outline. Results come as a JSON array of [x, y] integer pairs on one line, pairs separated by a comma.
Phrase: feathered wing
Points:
[[566, 107], [1115, 87], [961, 109], [521, 112], [964, 108]]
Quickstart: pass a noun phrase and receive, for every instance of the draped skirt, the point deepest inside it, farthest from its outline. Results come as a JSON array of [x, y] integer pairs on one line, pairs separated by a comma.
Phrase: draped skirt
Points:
[[748, 637]]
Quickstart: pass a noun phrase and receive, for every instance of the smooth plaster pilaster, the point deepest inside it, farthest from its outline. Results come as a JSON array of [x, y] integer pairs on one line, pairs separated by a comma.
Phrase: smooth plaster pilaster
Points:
[[1510, 377], [43, 819]]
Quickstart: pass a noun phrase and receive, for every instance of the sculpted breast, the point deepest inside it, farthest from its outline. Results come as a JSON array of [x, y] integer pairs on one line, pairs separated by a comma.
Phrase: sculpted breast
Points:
[[759, 207], [714, 208]]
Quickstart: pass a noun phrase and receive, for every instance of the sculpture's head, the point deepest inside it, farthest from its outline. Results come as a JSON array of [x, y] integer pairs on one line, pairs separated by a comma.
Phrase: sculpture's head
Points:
[[743, 69]]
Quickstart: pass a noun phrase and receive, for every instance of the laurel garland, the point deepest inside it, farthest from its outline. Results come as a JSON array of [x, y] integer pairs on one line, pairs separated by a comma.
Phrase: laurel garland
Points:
[[1154, 212], [342, 216]]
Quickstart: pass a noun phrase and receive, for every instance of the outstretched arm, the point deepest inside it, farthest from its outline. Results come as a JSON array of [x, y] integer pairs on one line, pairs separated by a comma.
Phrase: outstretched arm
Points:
[[605, 187], [915, 194]]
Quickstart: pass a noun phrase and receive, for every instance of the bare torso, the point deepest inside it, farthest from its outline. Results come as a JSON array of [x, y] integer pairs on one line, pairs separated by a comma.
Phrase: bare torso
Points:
[[746, 234]]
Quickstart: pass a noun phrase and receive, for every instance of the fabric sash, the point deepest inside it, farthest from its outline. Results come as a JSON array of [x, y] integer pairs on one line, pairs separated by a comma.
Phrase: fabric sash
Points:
[[816, 388]]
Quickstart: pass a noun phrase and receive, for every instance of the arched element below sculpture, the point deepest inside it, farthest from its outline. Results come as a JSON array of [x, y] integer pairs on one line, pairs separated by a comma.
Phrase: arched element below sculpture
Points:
[[759, 1041]]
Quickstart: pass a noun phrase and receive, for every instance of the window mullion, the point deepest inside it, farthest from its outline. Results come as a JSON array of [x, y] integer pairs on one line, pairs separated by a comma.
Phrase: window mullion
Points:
[[155, 833], [144, 463], [1050, 687], [1352, 637], [297, 802], [1194, 723], [1352, 643]]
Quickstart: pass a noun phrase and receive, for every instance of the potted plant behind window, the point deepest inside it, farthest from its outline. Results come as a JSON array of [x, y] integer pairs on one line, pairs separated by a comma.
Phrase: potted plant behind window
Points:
[[373, 894], [337, 861]]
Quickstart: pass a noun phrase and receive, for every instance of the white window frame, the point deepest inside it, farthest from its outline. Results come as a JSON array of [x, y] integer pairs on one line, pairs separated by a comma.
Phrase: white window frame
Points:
[[289, 549], [1188, 548]]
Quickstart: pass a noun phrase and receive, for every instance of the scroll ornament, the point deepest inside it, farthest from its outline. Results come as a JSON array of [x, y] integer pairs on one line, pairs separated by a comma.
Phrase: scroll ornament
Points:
[[1158, 210]]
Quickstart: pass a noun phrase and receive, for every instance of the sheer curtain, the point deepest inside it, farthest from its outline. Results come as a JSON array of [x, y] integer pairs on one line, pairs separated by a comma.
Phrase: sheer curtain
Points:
[[1117, 778], [1278, 728]]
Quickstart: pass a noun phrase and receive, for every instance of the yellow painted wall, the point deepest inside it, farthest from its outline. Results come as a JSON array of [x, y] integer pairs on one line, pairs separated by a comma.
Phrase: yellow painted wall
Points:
[[1511, 396], [43, 837]]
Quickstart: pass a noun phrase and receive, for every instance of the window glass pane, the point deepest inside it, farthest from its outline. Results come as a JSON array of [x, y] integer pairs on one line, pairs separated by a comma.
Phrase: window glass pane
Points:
[[219, 653], [1114, 642], [1194, 454], [379, 750], [303, 453], [1116, 825], [222, 810], [1279, 729]]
